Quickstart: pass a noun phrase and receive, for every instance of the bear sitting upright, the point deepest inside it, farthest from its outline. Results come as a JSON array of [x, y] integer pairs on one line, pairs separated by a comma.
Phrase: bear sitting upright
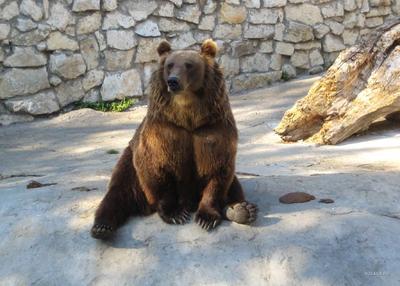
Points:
[[182, 157]]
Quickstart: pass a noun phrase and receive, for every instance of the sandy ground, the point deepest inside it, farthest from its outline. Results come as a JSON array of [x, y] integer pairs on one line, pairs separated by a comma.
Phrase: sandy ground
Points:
[[45, 231]]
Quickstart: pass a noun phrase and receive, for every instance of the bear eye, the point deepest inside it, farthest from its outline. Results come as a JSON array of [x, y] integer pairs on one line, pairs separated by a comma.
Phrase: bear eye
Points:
[[170, 66], [188, 65]]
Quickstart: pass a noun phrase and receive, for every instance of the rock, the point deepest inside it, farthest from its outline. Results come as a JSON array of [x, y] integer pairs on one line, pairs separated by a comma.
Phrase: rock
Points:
[[177, 3], [296, 197], [55, 80], [333, 9], [300, 59], [350, 5], [258, 32], [276, 62], [90, 52], [270, 3], [242, 48], [58, 41], [92, 96], [1, 55], [32, 37], [381, 11], [332, 43], [352, 20], [207, 23], [315, 70], [92, 79], [41, 103], [121, 85], [350, 37], [316, 58], [85, 5], [169, 25], [117, 60], [148, 70], [149, 28], [25, 57], [210, 7], [225, 31], [232, 14], [264, 16], [230, 66], [100, 40], [17, 81], [304, 13], [320, 30], [141, 9], [69, 91], [255, 63], [24, 25], [279, 30], [308, 45], [254, 80], [252, 3], [89, 24], [373, 22], [29, 8], [7, 119], [286, 49], [121, 39], [296, 32], [9, 11], [183, 40], [110, 5], [189, 13], [336, 28], [326, 201], [35, 184], [166, 10], [68, 67], [4, 31], [147, 50], [288, 72], [266, 47], [115, 20]]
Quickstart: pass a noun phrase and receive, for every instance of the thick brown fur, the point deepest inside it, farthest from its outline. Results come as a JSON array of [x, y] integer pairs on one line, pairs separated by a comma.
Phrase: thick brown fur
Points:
[[182, 157]]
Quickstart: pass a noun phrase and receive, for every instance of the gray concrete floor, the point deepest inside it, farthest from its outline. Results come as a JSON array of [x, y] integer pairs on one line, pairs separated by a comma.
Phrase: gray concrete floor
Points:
[[45, 232]]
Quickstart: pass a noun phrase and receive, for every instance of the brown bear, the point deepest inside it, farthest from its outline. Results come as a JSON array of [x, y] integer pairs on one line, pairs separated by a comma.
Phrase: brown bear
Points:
[[182, 157]]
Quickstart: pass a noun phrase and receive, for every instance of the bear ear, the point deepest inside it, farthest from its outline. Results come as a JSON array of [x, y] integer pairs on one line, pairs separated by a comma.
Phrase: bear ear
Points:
[[209, 48], [163, 48]]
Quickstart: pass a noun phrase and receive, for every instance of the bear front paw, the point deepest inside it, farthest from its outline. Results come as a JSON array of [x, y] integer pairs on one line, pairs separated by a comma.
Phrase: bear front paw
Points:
[[208, 218], [176, 217], [101, 231]]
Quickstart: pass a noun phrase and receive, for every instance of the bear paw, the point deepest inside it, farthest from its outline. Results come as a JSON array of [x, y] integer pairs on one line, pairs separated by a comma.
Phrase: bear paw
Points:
[[178, 217], [243, 213], [208, 219], [101, 231]]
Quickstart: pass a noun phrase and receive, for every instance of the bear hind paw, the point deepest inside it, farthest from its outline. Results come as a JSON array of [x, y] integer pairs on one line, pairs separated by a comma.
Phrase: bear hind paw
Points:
[[243, 213]]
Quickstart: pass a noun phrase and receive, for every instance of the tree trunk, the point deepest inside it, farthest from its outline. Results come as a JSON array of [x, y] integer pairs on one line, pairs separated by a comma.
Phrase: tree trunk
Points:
[[362, 86]]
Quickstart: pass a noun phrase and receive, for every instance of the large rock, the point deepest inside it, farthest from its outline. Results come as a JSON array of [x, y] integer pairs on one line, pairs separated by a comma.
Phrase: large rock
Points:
[[333, 9], [166, 10], [31, 38], [85, 5], [41, 103], [148, 28], [23, 81], [259, 32], [110, 5], [255, 63], [121, 85], [332, 43], [207, 23], [225, 31], [59, 41], [147, 50], [92, 79], [118, 60], [30, 8], [59, 17], [264, 16], [140, 9], [25, 25], [242, 48], [232, 14], [189, 13], [90, 52], [254, 80], [68, 67], [183, 40], [304, 13], [170, 25], [116, 20], [4, 31], [267, 4], [230, 65], [69, 91], [89, 24], [9, 11], [25, 57], [296, 32], [121, 39], [283, 48], [300, 59]]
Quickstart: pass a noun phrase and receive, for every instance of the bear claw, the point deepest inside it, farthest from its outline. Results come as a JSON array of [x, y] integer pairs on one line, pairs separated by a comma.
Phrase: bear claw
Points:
[[243, 213], [101, 231], [207, 221], [181, 217]]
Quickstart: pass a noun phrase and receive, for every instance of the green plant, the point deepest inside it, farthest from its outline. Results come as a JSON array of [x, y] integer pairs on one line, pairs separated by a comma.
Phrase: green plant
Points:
[[285, 76], [112, 151], [114, 106]]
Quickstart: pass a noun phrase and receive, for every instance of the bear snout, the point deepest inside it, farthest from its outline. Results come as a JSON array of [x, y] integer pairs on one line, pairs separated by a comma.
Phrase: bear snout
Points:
[[173, 83]]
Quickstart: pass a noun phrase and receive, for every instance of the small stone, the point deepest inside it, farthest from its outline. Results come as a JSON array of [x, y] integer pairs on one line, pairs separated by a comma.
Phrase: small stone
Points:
[[320, 30], [92, 96], [121, 85], [170, 25], [279, 30], [141, 9], [380, 11], [350, 5], [32, 37], [25, 57], [210, 7], [373, 22], [286, 49], [336, 28], [23, 25], [274, 3], [264, 16], [242, 48], [276, 62], [92, 79], [225, 31], [296, 197], [115, 20], [333, 9], [41, 103], [89, 24], [18, 81], [68, 67], [9, 11], [189, 13], [230, 66], [350, 37], [316, 58], [29, 8], [258, 32], [100, 40], [85, 5], [232, 14], [326, 201], [300, 60], [207, 23], [58, 41], [147, 50], [149, 28], [288, 72], [183, 40], [4, 31], [297, 32], [121, 39], [248, 81], [69, 91], [352, 20], [266, 47], [90, 52], [55, 80], [332, 43], [304, 13], [118, 60], [166, 10], [59, 17], [110, 5]]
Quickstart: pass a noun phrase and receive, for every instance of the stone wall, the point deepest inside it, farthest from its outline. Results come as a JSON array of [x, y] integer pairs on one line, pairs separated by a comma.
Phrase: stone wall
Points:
[[55, 52]]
